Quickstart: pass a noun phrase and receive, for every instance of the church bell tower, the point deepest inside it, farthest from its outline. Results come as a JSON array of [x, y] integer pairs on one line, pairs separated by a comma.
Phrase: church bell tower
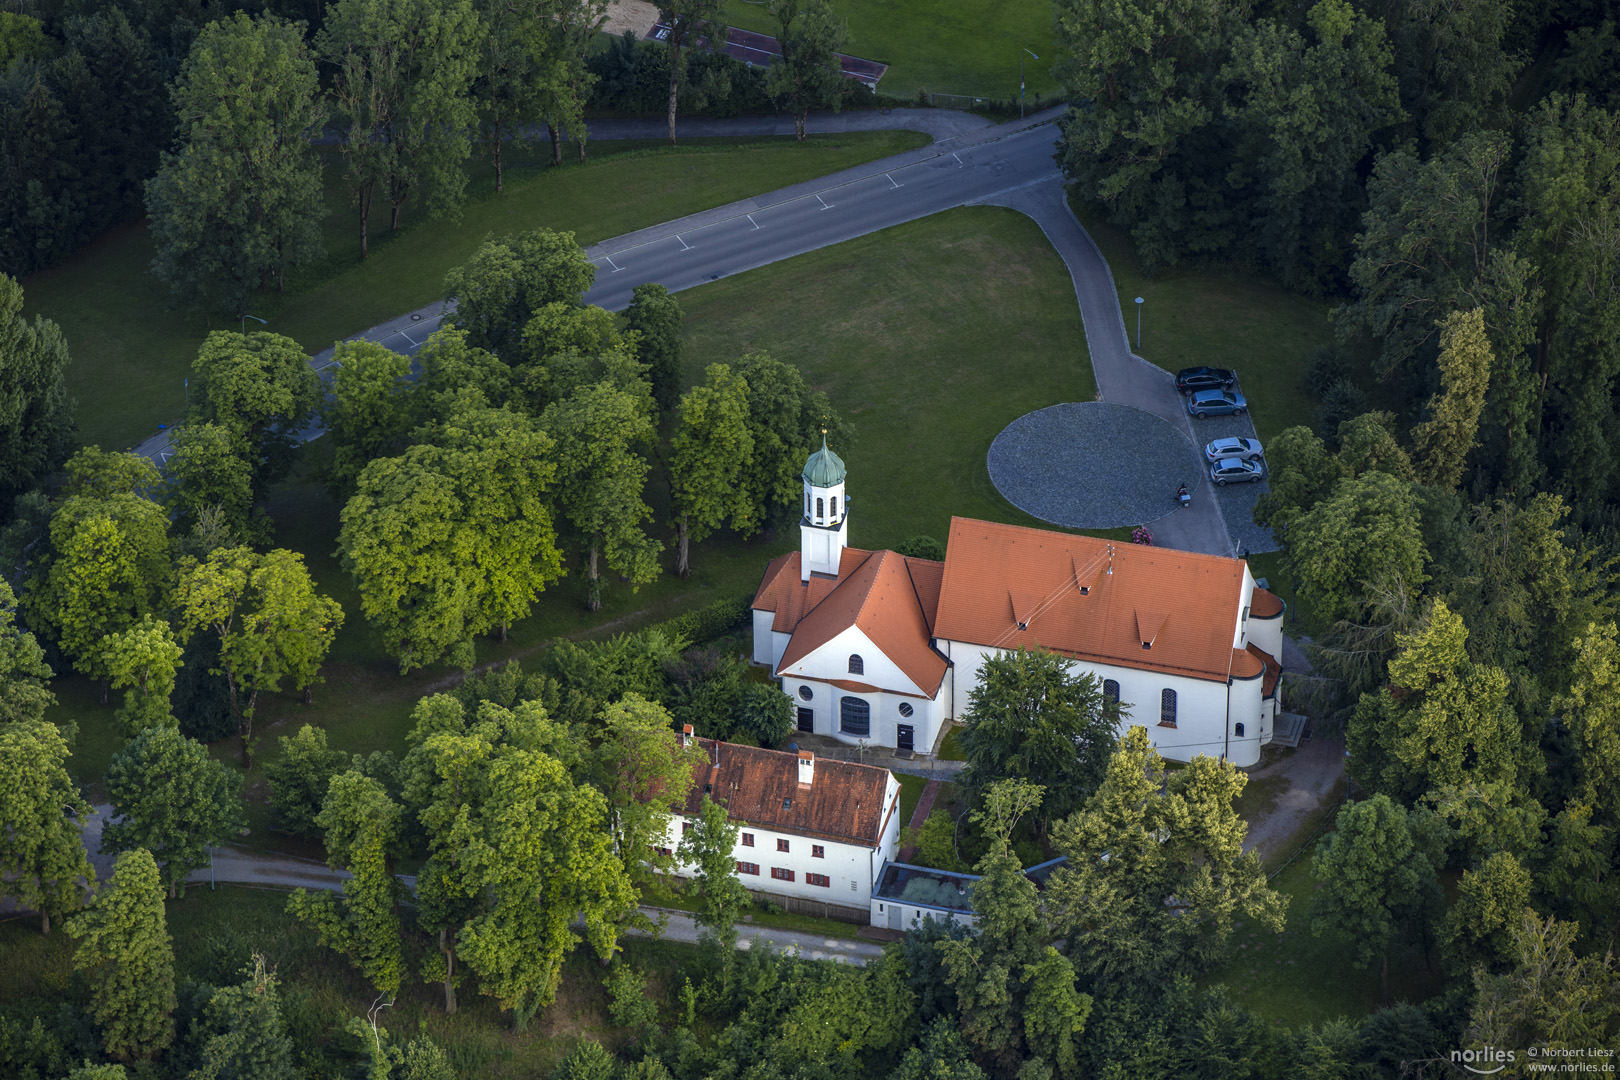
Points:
[[822, 535]]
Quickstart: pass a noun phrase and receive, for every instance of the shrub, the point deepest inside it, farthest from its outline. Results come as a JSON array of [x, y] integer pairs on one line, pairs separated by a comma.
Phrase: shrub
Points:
[[922, 547], [1328, 365], [713, 621], [1342, 401]]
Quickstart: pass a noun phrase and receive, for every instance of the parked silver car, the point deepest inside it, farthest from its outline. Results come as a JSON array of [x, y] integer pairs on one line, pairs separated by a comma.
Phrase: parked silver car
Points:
[[1247, 449], [1235, 471]]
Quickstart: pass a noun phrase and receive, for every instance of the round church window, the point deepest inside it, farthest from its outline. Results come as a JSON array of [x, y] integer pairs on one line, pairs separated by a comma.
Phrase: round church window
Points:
[[805, 693], [906, 709]]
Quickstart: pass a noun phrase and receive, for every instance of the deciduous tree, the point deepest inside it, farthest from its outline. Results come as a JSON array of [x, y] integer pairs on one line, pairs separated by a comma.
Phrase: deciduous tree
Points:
[[686, 19], [362, 828], [36, 413], [708, 847], [142, 661], [24, 675], [269, 621], [1367, 525], [601, 433], [173, 800], [786, 419], [656, 316], [645, 774], [213, 482], [1033, 716], [403, 84], [238, 203], [369, 414], [299, 779], [124, 946], [261, 388], [808, 75], [507, 279], [108, 568], [1554, 998], [1375, 881], [42, 858], [454, 538], [1442, 443], [1481, 925], [711, 454]]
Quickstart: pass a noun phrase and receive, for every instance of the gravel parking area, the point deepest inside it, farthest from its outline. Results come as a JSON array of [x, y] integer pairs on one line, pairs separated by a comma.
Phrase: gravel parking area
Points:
[[1092, 465], [1236, 500]]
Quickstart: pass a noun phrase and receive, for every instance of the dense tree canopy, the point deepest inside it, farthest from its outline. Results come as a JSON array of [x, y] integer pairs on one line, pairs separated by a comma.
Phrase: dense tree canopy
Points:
[[36, 413], [124, 946]]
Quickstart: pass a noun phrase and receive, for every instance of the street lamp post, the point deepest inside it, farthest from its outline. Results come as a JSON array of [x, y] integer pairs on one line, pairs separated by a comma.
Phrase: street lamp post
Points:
[[1021, 82], [255, 318], [1138, 322]]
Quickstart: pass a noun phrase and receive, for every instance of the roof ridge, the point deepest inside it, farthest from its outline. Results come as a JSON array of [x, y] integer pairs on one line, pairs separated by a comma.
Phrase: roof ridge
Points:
[[1118, 547]]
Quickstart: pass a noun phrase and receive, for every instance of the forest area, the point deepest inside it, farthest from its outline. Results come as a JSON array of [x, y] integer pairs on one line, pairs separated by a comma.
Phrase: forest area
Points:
[[1445, 173]]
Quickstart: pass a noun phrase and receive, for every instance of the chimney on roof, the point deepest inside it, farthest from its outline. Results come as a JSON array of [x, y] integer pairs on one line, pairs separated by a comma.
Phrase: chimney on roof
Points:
[[807, 768], [686, 735]]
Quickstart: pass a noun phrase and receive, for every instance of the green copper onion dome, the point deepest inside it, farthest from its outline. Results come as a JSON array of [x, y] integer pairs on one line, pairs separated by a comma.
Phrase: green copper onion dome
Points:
[[824, 468]]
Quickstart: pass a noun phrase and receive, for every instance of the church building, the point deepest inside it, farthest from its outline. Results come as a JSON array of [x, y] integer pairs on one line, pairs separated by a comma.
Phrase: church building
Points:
[[879, 648]]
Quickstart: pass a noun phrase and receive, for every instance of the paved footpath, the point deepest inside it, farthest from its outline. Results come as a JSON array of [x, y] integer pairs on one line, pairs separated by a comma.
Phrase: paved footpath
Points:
[[970, 163]]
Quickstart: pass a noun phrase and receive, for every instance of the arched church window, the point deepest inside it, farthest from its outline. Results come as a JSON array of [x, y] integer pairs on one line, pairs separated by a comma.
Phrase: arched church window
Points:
[[819, 513], [835, 507], [1110, 691], [1238, 730], [807, 504], [857, 666], [1167, 708], [854, 717]]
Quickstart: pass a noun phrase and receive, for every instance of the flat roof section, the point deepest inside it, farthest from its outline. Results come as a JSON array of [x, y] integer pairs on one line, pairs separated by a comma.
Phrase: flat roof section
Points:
[[921, 886]]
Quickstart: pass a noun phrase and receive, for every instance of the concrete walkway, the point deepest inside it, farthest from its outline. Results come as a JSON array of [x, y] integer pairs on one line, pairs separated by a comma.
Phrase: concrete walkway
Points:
[[1122, 376]]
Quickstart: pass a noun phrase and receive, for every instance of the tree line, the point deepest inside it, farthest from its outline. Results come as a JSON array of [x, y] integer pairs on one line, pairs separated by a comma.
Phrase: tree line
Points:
[[1407, 160], [208, 120]]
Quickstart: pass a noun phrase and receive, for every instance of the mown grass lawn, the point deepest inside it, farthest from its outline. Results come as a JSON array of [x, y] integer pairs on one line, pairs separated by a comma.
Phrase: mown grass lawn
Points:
[[1224, 318], [971, 47], [1298, 978], [931, 336], [131, 352], [911, 790]]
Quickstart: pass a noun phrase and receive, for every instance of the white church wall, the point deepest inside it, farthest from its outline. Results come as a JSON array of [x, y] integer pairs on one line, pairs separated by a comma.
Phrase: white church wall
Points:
[[1267, 634], [1247, 712], [1201, 704], [762, 638]]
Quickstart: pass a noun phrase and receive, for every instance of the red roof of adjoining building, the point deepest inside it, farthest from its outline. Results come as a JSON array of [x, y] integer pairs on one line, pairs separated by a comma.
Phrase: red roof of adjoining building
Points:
[[1265, 605], [782, 592], [880, 598], [1158, 609], [1273, 668], [843, 802]]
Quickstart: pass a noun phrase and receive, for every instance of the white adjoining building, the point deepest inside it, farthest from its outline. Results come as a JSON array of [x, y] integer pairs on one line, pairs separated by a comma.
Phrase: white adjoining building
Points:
[[878, 648], [814, 834]]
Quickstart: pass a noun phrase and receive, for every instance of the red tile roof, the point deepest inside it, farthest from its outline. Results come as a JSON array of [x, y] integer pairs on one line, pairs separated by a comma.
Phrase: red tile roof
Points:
[[1265, 605], [1273, 667], [844, 801], [1245, 664], [782, 592], [1182, 606], [878, 595]]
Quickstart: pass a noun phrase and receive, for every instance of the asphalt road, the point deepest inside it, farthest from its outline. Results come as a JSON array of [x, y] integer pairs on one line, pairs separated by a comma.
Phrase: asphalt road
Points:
[[1006, 165]]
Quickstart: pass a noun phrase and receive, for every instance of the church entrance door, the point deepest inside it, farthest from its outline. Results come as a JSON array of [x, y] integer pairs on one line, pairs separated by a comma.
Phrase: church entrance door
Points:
[[807, 720], [903, 737]]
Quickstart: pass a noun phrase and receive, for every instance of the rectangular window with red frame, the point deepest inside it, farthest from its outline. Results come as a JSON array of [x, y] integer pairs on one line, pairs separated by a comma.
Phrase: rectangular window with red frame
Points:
[[748, 868], [819, 879], [748, 839], [781, 845], [780, 874], [817, 851]]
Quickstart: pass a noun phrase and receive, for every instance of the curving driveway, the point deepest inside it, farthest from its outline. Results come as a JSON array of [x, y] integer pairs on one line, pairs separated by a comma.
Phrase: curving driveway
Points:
[[972, 162]]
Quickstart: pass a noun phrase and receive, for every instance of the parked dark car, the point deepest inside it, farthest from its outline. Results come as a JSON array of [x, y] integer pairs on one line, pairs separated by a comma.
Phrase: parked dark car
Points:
[[1235, 471], [1216, 403], [1203, 378]]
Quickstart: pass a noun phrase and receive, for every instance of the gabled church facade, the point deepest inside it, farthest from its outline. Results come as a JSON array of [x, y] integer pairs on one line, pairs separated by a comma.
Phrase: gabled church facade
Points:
[[882, 649]]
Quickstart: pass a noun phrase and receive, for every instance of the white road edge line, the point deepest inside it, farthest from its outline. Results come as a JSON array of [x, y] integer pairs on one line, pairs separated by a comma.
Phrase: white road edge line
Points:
[[684, 245], [609, 260], [892, 180], [823, 203], [960, 164], [751, 220]]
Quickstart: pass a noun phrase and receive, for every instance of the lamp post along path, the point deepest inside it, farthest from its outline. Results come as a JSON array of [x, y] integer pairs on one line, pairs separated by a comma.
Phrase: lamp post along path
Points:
[[1139, 322], [1021, 81]]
